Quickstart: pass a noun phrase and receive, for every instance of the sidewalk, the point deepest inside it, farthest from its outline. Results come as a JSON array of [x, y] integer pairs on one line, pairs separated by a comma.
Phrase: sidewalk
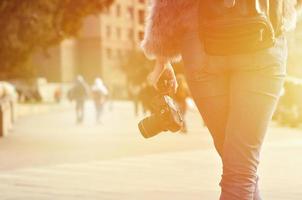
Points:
[[112, 161], [29, 109]]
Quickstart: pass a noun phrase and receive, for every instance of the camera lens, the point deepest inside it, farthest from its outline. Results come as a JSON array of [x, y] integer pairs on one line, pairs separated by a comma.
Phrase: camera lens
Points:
[[150, 126]]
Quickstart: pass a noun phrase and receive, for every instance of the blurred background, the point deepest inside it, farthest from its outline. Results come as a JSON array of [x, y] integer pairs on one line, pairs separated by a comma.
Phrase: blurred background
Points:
[[86, 145]]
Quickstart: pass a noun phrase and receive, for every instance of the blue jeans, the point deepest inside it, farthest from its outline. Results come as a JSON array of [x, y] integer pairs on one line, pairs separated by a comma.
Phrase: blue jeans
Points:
[[236, 96]]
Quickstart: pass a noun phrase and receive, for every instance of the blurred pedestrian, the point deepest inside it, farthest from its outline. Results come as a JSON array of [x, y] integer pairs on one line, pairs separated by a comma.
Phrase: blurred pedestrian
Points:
[[58, 94], [147, 93], [99, 95], [134, 91], [79, 93]]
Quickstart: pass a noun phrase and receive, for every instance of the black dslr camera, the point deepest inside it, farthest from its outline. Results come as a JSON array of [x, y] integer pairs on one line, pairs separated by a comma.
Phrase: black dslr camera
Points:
[[165, 114]]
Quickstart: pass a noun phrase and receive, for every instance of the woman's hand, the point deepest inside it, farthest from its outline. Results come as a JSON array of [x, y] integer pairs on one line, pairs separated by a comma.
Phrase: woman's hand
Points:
[[162, 68]]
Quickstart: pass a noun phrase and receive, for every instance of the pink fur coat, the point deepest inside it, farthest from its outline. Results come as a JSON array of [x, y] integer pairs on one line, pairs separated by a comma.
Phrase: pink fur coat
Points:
[[169, 20]]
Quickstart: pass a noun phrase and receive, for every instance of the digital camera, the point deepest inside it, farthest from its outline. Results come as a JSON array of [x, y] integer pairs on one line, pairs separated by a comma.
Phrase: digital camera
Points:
[[165, 116]]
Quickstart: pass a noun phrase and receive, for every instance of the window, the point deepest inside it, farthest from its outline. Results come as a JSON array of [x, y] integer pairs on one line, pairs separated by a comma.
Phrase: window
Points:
[[141, 17], [130, 12], [130, 34], [118, 10], [108, 31], [118, 33], [109, 53], [141, 35]]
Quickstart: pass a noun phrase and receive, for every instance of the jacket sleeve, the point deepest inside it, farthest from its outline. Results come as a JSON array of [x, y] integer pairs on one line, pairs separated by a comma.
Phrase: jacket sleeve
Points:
[[167, 22]]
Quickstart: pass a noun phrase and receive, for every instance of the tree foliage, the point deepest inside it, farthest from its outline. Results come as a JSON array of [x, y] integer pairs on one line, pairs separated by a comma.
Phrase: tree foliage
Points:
[[136, 67], [29, 25]]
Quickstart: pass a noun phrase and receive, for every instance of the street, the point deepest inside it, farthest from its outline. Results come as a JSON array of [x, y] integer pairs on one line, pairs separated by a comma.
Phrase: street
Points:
[[48, 156]]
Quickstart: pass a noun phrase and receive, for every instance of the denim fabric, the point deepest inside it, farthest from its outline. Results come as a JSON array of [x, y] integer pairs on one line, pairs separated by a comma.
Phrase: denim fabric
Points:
[[236, 96]]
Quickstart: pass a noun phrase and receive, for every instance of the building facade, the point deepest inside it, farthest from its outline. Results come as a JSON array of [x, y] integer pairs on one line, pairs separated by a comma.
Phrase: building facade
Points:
[[122, 29], [100, 47]]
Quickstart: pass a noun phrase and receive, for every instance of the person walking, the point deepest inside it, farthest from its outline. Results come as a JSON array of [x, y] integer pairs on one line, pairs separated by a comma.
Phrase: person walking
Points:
[[99, 94], [134, 90], [235, 54], [79, 93]]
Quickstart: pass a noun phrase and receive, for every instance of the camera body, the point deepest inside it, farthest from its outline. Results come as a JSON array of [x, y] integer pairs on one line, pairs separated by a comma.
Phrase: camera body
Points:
[[165, 116]]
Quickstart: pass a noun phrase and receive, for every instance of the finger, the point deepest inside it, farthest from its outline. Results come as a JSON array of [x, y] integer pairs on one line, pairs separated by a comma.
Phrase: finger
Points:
[[176, 87], [172, 85], [155, 77], [152, 80]]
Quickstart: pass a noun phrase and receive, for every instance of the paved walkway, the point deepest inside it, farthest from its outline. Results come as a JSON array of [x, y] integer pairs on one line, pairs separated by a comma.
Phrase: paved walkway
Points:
[[49, 157]]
